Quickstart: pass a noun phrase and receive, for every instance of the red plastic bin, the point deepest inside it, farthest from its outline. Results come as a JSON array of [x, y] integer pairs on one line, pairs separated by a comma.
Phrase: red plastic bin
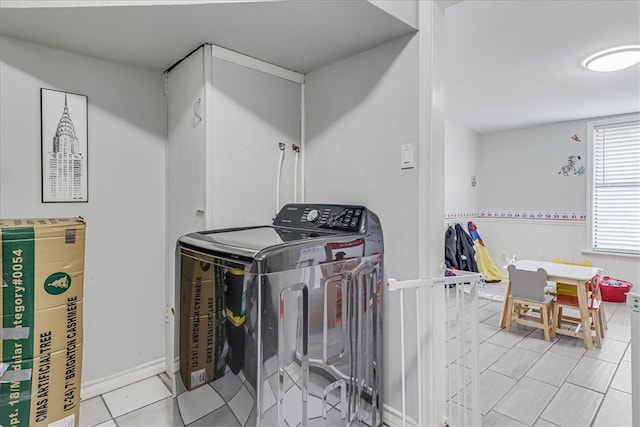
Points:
[[614, 290]]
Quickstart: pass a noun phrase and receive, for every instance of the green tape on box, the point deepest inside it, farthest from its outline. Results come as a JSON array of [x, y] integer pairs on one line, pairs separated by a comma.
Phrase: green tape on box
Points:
[[18, 284]]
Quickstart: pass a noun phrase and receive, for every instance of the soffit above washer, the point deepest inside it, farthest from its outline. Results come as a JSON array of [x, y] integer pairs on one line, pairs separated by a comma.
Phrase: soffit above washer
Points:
[[298, 35]]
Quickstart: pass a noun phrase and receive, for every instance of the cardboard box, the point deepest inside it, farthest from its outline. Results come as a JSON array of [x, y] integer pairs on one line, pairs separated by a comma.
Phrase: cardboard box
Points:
[[42, 270], [202, 332]]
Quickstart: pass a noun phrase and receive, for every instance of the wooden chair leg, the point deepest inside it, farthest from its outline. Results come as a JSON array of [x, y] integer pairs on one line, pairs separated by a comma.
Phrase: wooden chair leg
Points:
[[510, 314], [597, 327], [545, 322], [555, 320], [602, 314], [603, 319], [559, 317]]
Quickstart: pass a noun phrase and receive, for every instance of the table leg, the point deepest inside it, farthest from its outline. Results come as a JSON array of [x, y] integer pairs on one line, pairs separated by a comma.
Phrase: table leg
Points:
[[584, 314], [505, 305]]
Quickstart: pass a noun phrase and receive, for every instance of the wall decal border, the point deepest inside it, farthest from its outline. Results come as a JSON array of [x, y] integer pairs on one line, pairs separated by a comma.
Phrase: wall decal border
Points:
[[518, 215]]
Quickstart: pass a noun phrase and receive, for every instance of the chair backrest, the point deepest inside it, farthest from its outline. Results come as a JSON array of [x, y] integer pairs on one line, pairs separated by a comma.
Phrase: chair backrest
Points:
[[565, 289], [586, 263], [527, 284]]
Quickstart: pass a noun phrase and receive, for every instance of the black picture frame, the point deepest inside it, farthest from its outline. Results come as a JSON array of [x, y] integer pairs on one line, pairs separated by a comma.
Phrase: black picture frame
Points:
[[64, 147]]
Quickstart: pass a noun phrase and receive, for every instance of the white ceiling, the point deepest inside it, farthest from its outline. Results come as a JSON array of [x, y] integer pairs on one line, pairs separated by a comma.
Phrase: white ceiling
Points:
[[298, 35], [508, 63], [513, 64]]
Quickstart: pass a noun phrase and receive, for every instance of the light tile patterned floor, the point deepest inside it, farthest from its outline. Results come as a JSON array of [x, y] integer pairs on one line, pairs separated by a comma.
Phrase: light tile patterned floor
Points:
[[562, 384]]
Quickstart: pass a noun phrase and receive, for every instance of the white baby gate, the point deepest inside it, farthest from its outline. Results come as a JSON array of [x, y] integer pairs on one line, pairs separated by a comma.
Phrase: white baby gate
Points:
[[453, 331]]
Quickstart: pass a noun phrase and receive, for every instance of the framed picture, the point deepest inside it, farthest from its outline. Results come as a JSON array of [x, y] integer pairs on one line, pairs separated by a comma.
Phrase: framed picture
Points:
[[64, 140]]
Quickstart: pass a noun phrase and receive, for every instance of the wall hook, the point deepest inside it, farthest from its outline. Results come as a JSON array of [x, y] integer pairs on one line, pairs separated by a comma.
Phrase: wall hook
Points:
[[197, 118]]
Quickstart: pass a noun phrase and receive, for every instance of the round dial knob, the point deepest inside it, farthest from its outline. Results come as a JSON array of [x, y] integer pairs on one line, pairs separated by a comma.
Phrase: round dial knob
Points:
[[313, 215]]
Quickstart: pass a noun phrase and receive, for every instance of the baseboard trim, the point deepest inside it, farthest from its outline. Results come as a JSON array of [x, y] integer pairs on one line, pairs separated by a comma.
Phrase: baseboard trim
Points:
[[100, 386], [393, 418]]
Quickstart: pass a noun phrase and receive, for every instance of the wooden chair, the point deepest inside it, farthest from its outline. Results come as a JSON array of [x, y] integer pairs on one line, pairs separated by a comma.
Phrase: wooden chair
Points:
[[528, 303], [594, 288], [597, 319], [565, 288], [559, 318]]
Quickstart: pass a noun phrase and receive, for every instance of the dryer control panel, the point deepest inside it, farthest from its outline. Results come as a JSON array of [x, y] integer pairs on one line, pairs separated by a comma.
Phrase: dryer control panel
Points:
[[314, 216]]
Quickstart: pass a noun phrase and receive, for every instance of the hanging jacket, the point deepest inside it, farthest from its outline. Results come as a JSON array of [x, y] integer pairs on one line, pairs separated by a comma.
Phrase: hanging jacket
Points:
[[450, 248], [465, 253]]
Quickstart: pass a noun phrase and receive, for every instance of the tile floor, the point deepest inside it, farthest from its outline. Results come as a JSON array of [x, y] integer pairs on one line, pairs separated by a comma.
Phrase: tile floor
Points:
[[524, 381], [527, 381]]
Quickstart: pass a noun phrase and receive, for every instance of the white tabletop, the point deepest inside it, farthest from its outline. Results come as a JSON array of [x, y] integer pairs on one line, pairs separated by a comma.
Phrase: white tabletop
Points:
[[558, 270]]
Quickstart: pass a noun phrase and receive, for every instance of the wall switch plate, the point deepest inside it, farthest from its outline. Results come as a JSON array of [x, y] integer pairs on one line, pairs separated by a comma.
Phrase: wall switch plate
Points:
[[406, 156]]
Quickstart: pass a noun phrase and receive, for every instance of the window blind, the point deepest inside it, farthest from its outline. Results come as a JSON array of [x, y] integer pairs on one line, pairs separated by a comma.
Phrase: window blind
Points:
[[616, 188]]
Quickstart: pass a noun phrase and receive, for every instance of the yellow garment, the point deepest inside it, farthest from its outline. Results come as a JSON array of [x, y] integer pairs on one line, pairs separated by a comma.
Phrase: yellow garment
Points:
[[486, 265], [565, 288]]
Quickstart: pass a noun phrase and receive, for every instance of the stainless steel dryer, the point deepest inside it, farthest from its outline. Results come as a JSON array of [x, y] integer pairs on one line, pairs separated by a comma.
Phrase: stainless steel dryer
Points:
[[309, 348]]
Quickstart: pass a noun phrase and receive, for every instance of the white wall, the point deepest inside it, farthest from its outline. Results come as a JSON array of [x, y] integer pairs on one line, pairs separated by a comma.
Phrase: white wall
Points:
[[519, 173], [520, 168], [461, 163], [359, 112], [123, 292], [251, 113]]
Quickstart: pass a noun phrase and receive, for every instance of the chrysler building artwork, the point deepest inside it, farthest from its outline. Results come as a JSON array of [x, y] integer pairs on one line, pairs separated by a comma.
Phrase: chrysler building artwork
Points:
[[64, 147]]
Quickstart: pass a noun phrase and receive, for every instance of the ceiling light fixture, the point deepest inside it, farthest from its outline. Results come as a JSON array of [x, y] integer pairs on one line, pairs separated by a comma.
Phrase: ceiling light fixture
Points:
[[617, 58]]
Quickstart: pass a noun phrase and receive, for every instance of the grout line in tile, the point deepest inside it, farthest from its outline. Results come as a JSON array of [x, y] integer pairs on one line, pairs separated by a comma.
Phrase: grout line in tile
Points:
[[506, 416], [604, 396], [104, 402], [235, 416], [144, 406], [549, 402]]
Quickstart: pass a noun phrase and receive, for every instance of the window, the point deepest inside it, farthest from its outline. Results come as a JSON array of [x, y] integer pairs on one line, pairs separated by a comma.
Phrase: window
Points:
[[615, 185]]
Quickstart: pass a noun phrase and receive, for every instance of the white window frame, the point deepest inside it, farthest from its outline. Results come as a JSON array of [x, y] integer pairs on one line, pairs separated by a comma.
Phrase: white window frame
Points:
[[591, 125]]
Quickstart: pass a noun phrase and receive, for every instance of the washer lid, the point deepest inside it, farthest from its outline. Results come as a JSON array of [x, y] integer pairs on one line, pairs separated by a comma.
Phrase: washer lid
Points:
[[248, 241]]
